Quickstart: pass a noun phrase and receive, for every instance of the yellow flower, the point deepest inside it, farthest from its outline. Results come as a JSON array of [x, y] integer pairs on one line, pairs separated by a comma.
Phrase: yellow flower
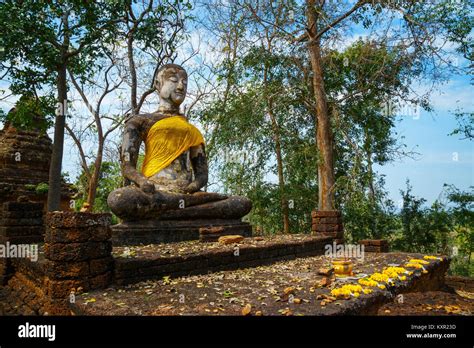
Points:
[[379, 277], [413, 265], [367, 282], [347, 290], [353, 287], [339, 292], [367, 291], [422, 262], [428, 257], [388, 275], [393, 272]]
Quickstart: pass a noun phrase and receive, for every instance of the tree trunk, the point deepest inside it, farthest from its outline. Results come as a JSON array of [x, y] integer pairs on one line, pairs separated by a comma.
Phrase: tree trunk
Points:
[[133, 72], [370, 173], [281, 178], [323, 126], [94, 180], [54, 191]]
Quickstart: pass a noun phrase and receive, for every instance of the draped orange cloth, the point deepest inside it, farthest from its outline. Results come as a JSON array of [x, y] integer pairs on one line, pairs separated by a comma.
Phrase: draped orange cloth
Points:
[[166, 140]]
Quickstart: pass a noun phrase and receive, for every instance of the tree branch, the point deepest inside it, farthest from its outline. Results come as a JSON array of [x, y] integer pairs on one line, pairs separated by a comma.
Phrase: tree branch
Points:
[[81, 151], [358, 5]]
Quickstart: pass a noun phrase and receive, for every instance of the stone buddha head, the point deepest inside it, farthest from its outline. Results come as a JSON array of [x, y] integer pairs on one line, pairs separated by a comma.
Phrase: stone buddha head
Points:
[[171, 82]]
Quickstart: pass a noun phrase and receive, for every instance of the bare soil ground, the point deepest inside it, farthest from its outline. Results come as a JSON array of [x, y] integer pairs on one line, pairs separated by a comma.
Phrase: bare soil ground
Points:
[[431, 303]]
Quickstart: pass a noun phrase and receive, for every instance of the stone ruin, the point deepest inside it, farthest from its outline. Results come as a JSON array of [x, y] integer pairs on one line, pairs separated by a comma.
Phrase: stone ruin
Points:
[[24, 164]]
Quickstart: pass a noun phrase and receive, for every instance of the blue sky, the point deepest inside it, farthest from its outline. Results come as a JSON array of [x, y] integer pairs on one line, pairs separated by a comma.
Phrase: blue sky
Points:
[[443, 158]]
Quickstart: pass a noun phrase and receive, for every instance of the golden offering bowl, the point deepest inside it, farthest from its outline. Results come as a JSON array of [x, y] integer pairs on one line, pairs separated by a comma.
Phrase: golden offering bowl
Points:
[[342, 266]]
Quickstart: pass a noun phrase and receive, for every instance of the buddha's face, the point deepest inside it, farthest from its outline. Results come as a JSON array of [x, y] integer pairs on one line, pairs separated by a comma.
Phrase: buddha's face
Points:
[[173, 85]]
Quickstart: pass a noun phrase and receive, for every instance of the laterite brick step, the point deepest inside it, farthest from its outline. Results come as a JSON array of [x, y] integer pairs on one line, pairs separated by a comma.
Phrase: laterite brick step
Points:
[[139, 263]]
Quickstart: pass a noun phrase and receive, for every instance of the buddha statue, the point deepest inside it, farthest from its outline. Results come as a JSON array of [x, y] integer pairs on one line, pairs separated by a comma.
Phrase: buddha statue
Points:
[[170, 184]]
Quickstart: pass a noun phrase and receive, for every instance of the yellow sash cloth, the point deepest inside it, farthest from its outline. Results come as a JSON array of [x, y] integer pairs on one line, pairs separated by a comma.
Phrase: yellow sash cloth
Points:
[[166, 140]]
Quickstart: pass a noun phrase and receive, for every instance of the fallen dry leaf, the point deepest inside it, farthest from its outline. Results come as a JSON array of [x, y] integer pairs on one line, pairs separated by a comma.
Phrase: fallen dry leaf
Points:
[[285, 311], [465, 294], [326, 281], [452, 309], [247, 309]]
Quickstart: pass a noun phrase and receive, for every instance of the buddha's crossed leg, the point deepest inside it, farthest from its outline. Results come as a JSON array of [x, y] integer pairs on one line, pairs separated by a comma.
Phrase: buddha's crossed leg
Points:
[[131, 203]]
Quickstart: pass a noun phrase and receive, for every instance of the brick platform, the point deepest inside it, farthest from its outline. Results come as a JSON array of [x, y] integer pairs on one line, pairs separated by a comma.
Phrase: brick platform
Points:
[[265, 288], [460, 283], [228, 257]]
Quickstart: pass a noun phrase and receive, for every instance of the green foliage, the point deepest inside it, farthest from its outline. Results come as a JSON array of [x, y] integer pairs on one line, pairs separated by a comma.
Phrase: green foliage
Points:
[[37, 44], [446, 228], [413, 236], [462, 213], [365, 216], [31, 113], [30, 187], [31, 34], [465, 126], [41, 188], [461, 266], [110, 179]]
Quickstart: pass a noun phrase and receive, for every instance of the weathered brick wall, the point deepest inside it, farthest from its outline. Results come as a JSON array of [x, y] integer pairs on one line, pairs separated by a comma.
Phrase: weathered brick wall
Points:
[[375, 245], [77, 257], [20, 223], [78, 254], [24, 162], [24, 291], [328, 224], [22, 297]]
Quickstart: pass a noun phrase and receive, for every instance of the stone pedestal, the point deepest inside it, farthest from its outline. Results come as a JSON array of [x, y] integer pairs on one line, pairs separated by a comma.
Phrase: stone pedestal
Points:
[[171, 231], [327, 223], [375, 245], [78, 255]]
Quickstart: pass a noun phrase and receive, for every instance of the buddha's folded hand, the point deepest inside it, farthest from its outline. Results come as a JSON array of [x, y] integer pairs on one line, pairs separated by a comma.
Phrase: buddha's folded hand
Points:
[[192, 187], [147, 186]]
